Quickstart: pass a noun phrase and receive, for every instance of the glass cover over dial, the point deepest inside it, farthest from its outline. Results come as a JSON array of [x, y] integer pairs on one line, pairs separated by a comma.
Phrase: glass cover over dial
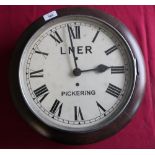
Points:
[[76, 72]]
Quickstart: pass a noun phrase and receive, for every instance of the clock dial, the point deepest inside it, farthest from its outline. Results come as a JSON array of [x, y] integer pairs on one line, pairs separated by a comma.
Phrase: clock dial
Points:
[[75, 73]]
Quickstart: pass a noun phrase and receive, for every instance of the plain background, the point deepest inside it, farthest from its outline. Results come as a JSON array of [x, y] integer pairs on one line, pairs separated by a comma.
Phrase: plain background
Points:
[[15, 133]]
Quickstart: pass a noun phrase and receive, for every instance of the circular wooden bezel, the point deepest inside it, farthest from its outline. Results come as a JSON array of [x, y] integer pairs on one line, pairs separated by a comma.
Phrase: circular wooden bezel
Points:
[[69, 136]]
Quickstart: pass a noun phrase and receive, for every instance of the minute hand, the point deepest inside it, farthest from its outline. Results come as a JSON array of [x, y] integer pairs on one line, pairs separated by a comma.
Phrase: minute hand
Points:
[[74, 57], [100, 68]]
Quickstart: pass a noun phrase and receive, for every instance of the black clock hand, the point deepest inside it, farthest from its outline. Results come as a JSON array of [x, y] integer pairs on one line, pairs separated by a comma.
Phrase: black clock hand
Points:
[[100, 68], [71, 42]]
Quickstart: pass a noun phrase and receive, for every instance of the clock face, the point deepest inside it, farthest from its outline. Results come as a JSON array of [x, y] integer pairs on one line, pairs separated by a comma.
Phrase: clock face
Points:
[[76, 73]]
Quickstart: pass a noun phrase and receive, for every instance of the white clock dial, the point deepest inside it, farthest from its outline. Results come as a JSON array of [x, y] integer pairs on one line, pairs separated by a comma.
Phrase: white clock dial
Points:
[[75, 73]]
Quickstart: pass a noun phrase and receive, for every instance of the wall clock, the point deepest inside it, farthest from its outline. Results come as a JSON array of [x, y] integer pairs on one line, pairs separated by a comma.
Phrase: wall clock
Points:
[[77, 75]]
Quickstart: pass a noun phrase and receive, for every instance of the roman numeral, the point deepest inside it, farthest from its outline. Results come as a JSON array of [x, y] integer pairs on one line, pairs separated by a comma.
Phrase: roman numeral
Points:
[[78, 113], [38, 73], [100, 108], [95, 36], [110, 50], [75, 32], [56, 37], [57, 107], [41, 92], [117, 69], [113, 90], [42, 53]]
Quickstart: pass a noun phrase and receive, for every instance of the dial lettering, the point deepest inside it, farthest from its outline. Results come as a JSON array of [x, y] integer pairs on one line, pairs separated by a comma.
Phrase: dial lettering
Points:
[[113, 90], [41, 92]]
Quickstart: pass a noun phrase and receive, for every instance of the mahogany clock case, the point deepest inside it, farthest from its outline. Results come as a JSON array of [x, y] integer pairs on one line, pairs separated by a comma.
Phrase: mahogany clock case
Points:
[[68, 136]]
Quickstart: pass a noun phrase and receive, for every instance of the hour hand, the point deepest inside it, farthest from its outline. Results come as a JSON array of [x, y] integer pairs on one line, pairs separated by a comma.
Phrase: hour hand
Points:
[[100, 68]]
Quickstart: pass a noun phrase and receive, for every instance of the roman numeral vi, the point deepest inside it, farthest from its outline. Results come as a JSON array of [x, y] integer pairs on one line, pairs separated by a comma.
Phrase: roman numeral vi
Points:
[[78, 113]]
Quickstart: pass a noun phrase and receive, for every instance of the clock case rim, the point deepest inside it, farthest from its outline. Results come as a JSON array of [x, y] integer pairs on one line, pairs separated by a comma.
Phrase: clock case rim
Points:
[[73, 137], [128, 93]]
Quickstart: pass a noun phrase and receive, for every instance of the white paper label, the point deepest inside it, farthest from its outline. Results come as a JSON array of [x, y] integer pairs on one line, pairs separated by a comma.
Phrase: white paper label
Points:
[[50, 15]]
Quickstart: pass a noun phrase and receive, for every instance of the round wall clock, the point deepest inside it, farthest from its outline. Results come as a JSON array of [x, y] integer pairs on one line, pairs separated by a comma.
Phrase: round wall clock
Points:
[[77, 75]]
